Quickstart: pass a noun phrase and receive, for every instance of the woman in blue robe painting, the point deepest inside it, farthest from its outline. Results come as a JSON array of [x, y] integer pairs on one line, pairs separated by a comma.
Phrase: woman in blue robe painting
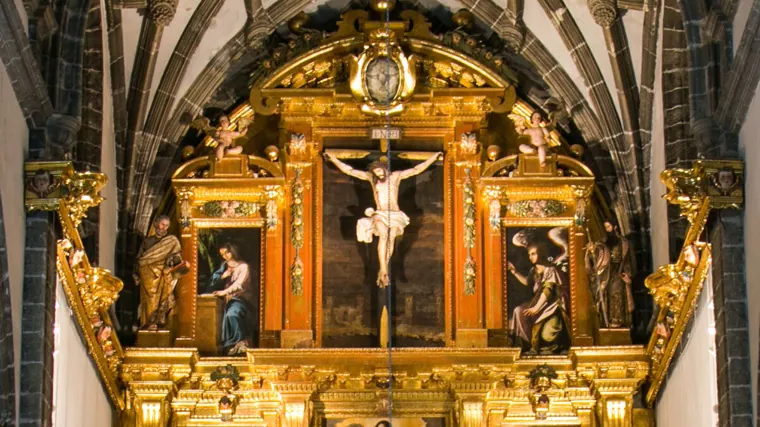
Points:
[[238, 293]]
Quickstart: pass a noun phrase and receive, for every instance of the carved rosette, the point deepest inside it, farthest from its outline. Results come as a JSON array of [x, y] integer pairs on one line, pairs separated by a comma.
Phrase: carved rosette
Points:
[[162, 11], [603, 11]]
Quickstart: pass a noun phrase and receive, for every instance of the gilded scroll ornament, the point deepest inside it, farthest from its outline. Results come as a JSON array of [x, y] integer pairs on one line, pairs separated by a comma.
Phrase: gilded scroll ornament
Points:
[[709, 184], [90, 291], [685, 188], [83, 193]]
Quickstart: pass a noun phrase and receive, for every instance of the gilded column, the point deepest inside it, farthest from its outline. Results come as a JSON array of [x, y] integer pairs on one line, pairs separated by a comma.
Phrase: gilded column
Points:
[[471, 413], [151, 403], [300, 229], [615, 401], [467, 270]]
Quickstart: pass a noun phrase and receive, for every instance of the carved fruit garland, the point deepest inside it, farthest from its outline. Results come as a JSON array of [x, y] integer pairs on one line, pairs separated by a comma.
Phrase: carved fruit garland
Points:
[[296, 234], [469, 233]]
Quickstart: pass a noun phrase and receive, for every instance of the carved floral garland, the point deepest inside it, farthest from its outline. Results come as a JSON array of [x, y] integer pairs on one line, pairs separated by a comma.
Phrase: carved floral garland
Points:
[[296, 235], [230, 209], [536, 208], [469, 233]]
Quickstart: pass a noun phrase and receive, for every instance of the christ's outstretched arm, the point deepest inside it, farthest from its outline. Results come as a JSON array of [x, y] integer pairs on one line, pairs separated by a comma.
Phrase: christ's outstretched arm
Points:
[[346, 169], [420, 167]]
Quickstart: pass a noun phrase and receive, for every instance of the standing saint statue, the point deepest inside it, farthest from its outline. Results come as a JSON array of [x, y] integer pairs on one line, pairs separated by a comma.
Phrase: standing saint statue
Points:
[[386, 221], [609, 268], [159, 267]]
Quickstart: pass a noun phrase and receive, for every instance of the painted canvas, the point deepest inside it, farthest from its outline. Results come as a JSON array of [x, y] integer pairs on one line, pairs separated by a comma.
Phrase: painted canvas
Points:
[[538, 285], [351, 297], [386, 422], [229, 268]]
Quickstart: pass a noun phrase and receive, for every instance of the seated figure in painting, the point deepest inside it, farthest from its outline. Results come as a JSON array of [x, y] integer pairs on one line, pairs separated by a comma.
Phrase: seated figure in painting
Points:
[[235, 277], [540, 325], [159, 267], [387, 221]]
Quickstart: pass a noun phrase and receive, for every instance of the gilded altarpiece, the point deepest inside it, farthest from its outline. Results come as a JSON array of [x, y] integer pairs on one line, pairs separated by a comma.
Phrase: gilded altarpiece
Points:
[[499, 236]]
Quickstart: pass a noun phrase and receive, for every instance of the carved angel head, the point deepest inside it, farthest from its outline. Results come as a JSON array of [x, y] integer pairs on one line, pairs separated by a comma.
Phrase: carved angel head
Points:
[[297, 144], [469, 143]]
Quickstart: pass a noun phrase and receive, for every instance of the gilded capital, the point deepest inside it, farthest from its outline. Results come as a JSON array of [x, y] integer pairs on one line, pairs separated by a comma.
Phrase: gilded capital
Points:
[[603, 11]]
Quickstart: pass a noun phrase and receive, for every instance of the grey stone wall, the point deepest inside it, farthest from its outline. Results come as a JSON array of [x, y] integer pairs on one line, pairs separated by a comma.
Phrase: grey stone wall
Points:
[[37, 318], [726, 234]]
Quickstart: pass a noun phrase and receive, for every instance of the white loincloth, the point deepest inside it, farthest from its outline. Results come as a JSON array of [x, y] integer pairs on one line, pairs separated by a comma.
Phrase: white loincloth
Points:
[[367, 227]]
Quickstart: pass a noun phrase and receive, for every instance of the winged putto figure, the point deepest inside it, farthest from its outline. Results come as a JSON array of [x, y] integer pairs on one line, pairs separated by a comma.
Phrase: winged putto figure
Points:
[[228, 139], [537, 130]]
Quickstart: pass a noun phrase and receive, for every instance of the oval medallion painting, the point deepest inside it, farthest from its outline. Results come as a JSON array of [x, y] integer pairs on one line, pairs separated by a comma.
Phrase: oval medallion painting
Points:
[[382, 79]]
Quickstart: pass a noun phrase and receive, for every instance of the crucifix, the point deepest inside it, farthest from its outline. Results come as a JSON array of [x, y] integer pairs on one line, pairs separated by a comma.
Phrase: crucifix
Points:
[[385, 220]]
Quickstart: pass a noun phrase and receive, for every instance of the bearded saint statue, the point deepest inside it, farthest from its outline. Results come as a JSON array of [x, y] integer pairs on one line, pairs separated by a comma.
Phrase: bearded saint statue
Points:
[[609, 268], [159, 267]]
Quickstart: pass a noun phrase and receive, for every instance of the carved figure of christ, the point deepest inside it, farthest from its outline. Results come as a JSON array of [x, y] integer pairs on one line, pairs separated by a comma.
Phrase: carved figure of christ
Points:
[[386, 221]]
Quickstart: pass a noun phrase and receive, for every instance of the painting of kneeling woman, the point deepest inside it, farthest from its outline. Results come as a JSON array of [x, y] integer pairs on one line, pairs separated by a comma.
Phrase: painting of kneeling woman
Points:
[[233, 282]]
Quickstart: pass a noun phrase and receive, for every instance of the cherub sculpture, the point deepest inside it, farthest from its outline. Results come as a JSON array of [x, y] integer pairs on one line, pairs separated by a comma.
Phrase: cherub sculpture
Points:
[[537, 130], [228, 141]]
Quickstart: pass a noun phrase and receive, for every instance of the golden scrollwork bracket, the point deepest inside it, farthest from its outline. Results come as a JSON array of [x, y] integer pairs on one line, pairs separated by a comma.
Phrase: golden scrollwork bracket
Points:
[[720, 181], [709, 184], [47, 184], [91, 291]]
